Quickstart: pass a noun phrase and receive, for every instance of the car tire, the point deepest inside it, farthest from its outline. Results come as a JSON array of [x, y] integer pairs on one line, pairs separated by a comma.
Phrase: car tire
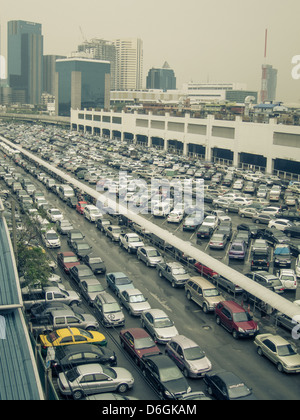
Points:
[[122, 388], [209, 391], [259, 351], [173, 284], [280, 367], [188, 295], [218, 320], [185, 372], [235, 334], [205, 308], [77, 395]]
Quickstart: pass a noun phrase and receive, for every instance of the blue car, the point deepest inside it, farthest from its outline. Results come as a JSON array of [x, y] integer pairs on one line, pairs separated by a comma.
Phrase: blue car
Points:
[[118, 282]]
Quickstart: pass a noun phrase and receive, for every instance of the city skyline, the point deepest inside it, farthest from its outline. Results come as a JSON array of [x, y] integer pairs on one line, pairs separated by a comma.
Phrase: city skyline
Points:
[[201, 40]]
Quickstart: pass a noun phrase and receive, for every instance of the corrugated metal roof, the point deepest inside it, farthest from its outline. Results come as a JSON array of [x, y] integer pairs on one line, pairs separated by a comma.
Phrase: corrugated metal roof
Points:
[[19, 378]]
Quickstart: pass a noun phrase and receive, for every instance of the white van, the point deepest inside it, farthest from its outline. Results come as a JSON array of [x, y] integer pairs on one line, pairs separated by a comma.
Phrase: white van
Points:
[[65, 191]]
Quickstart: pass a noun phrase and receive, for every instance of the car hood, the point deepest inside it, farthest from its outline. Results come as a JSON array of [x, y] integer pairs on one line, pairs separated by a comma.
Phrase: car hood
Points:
[[181, 277], [166, 332], [200, 364], [89, 318], [123, 375], [122, 287], [291, 361], [155, 259], [177, 386], [247, 325], [115, 316], [137, 244], [140, 306]]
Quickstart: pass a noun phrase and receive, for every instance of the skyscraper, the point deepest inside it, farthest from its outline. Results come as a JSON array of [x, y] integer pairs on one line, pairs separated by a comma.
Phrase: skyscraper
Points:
[[49, 73], [161, 78], [129, 69], [25, 59], [81, 83], [268, 83]]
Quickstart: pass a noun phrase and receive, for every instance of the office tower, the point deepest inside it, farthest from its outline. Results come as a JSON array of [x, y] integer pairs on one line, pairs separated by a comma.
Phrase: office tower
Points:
[[161, 78], [25, 59], [81, 83], [49, 73], [101, 49], [129, 71], [268, 83]]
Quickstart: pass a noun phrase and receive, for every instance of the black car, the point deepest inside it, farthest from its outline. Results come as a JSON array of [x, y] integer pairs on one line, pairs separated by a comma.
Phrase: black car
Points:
[[68, 357], [292, 215], [80, 272], [294, 245], [250, 227], [165, 376], [274, 236], [204, 232], [227, 386], [282, 255], [71, 202], [243, 235], [74, 235], [40, 310], [96, 264], [260, 260], [292, 231], [101, 223], [81, 248]]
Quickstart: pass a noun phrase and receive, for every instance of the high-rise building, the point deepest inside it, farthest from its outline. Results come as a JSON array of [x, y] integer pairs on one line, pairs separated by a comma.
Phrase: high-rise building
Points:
[[81, 83], [25, 59], [49, 73], [161, 78], [101, 49], [268, 83], [129, 69]]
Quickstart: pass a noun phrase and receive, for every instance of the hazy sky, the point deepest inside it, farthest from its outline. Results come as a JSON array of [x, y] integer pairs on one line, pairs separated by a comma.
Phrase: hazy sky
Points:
[[202, 40]]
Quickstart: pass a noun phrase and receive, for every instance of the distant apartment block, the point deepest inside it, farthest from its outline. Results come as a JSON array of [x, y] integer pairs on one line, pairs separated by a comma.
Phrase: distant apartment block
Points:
[[161, 78]]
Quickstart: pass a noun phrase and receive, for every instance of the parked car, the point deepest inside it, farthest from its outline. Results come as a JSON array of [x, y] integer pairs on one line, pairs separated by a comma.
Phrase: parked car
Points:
[[92, 379], [227, 386], [273, 236], [113, 232], [237, 250], [204, 232], [149, 255], [260, 245], [293, 230], [80, 206], [137, 342], [165, 377], [260, 260], [63, 226], [248, 212], [109, 310], [288, 279], [118, 282], [134, 301], [67, 260], [51, 239], [54, 214], [159, 325], [81, 248], [174, 272], [218, 241], [235, 319], [175, 216], [250, 227], [102, 222], [95, 263], [74, 235], [211, 221], [65, 358], [80, 272], [280, 224], [192, 221], [292, 215], [266, 279], [90, 288], [262, 218], [203, 293], [188, 356], [92, 213], [282, 255], [279, 351]]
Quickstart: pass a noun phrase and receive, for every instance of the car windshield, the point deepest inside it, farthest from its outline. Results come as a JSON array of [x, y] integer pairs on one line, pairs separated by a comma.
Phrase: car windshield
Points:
[[163, 323], [170, 374], [238, 391], [51, 236], [94, 211], [275, 282], [110, 308], [210, 292], [153, 253], [109, 372], [236, 247], [137, 298], [116, 230], [83, 246], [72, 374], [51, 337], [144, 343], [241, 317], [194, 353], [55, 212], [123, 280], [133, 239], [286, 350], [287, 277], [70, 259]]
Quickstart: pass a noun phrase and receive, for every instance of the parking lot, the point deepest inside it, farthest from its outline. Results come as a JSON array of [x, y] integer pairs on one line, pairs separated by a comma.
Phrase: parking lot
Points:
[[238, 356]]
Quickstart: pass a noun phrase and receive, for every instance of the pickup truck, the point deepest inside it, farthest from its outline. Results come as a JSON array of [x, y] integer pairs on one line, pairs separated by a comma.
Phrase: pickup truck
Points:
[[174, 272], [130, 241], [58, 318], [51, 294]]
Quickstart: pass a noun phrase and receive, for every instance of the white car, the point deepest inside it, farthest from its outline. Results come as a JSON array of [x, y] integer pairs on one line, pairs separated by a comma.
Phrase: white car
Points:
[[51, 239], [297, 266], [247, 212], [211, 221], [279, 224], [54, 215], [242, 201], [92, 213], [288, 279], [175, 217]]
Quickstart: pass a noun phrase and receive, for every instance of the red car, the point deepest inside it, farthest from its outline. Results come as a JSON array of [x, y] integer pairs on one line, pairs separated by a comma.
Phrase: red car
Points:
[[235, 319], [137, 342], [67, 260], [80, 206], [205, 271]]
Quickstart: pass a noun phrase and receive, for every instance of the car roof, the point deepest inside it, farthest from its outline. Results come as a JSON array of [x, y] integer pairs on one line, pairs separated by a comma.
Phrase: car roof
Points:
[[136, 332], [71, 349], [228, 377], [183, 341], [161, 360], [201, 281], [90, 368], [235, 307], [133, 291], [62, 312], [68, 254], [106, 297], [157, 313]]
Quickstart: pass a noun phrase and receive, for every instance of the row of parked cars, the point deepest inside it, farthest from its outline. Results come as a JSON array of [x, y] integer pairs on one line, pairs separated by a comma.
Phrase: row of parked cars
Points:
[[151, 364]]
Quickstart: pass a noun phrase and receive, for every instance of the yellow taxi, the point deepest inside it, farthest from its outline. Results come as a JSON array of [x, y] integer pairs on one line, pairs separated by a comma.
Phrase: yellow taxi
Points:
[[67, 336]]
